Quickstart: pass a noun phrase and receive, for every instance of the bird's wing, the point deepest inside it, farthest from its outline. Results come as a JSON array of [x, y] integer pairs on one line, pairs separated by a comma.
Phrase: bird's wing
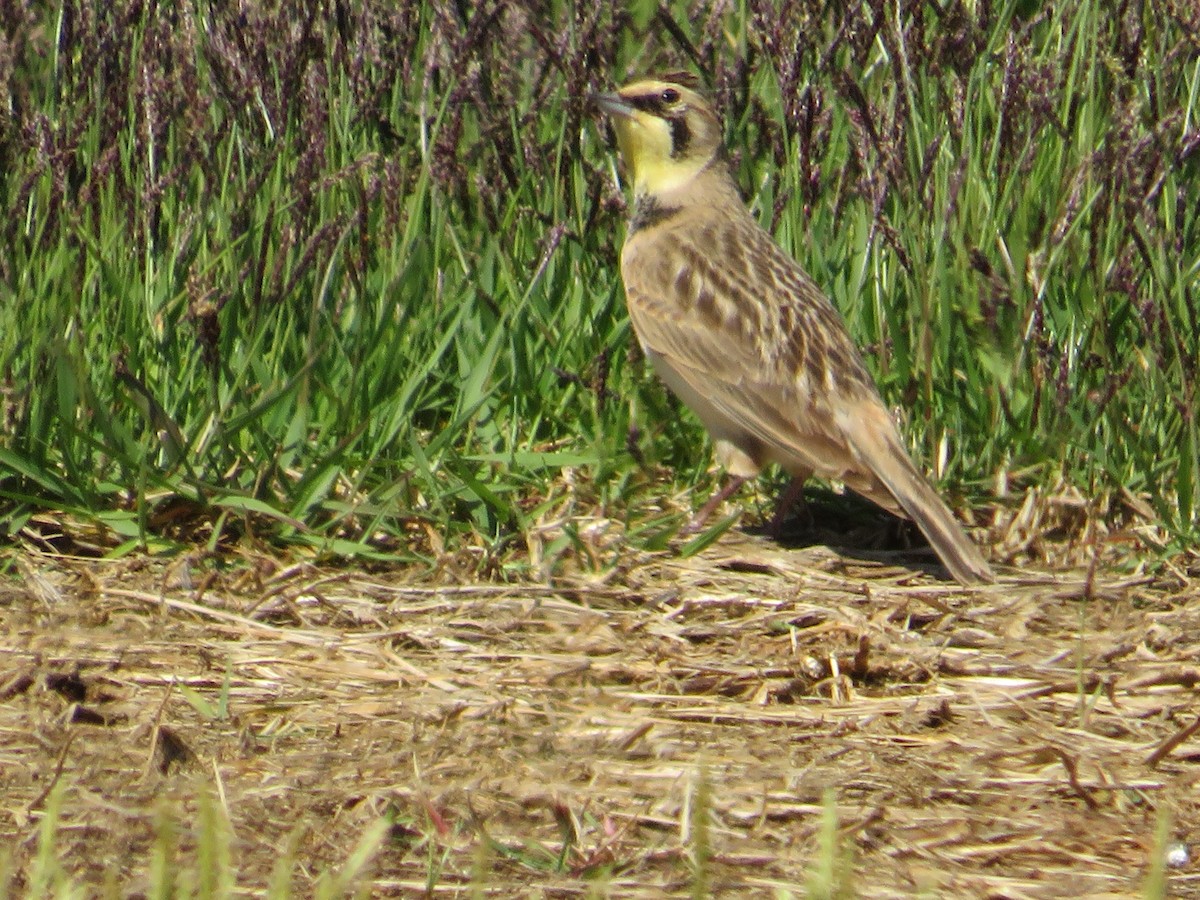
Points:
[[745, 328]]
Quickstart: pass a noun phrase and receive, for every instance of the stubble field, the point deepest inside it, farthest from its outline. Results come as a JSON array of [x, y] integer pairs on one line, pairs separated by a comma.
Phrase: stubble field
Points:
[[758, 720]]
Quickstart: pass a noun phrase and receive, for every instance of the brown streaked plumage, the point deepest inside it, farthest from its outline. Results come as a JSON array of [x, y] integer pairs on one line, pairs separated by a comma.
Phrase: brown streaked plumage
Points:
[[739, 331]]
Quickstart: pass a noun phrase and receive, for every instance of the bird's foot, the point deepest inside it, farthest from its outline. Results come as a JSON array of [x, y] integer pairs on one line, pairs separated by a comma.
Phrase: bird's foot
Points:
[[791, 500], [700, 519]]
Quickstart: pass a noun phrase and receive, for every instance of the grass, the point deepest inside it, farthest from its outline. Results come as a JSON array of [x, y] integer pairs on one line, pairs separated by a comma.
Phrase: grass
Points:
[[208, 873], [212, 876], [345, 280], [204, 867], [203, 870]]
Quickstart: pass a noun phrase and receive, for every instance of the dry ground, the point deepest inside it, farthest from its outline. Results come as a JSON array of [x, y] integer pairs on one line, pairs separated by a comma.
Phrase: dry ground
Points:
[[1020, 740]]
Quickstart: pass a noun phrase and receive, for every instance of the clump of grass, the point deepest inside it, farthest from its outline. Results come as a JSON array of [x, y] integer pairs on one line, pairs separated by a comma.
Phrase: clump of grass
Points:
[[699, 839], [343, 278], [831, 873], [46, 874], [1154, 887]]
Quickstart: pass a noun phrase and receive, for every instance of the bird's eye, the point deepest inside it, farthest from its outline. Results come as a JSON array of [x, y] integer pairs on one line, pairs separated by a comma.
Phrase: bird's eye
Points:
[[670, 95]]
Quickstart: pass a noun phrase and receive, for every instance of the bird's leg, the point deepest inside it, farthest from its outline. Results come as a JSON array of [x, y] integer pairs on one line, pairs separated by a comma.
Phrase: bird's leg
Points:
[[791, 499], [698, 520]]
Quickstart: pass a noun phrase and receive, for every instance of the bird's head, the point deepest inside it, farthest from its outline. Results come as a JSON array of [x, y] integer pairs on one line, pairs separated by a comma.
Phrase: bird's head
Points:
[[667, 132]]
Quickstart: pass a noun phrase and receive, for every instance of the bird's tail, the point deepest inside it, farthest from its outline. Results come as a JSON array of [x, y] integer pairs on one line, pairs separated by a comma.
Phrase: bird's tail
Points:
[[878, 443], [957, 551]]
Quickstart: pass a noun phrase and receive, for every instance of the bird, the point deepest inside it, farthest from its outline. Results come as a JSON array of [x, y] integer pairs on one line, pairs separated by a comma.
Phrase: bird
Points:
[[739, 331]]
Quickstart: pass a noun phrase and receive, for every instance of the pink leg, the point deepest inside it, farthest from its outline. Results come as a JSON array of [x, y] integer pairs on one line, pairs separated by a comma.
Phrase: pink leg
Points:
[[731, 487], [791, 499]]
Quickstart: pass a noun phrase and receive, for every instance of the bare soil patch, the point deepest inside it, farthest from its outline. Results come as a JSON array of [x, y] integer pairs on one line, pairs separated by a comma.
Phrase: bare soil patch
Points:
[[1018, 740]]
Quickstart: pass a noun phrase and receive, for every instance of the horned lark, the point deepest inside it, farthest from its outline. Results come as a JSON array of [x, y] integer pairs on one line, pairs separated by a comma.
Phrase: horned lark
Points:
[[739, 331]]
